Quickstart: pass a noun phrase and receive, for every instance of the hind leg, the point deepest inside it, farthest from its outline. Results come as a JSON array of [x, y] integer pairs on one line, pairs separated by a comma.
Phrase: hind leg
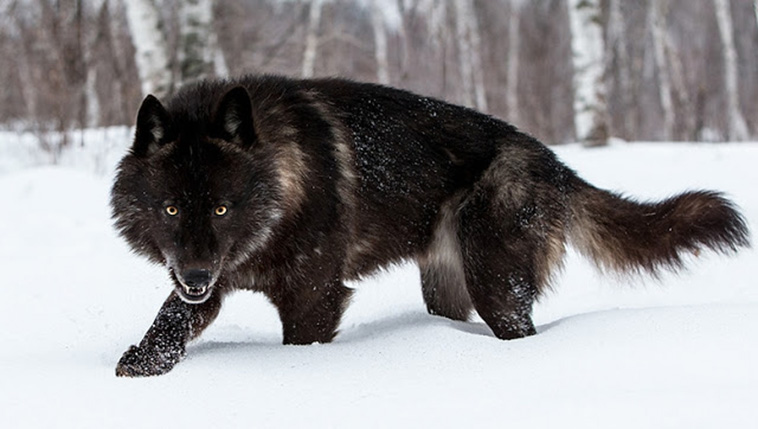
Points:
[[499, 258], [443, 281], [444, 291]]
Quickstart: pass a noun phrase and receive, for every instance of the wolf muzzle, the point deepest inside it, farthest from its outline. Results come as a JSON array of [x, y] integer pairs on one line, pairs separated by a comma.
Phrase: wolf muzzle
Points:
[[196, 285]]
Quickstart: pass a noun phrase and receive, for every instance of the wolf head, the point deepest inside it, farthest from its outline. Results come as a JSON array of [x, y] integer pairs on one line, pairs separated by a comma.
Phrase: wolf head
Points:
[[197, 192]]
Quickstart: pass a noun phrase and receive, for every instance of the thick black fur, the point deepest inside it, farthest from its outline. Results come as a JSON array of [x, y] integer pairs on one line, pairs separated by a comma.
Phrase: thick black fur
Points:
[[291, 187]]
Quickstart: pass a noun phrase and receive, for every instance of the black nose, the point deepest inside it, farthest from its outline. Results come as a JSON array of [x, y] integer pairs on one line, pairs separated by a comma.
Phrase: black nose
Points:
[[196, 278]]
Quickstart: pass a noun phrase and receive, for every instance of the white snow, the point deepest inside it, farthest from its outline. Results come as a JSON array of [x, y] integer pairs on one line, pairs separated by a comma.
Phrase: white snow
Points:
[[679, 352]]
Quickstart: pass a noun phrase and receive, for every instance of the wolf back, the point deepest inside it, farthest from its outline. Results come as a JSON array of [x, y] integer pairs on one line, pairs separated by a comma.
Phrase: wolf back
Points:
[[292, 187]]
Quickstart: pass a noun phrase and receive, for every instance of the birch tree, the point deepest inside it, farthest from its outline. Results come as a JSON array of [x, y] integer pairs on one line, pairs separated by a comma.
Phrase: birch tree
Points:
[[617, 50], [380, 42], [220, 68], [514, 42], [92, 101], [15, 23], [197, 40], [151, 52], [118, 98], [90, 96], [657, 12], [687, 118], [469, 52], [311, 39], [737, 128], [590, 110]]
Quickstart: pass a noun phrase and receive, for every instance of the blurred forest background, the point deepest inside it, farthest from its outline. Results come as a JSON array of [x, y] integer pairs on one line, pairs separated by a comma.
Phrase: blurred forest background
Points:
[[638, 70]]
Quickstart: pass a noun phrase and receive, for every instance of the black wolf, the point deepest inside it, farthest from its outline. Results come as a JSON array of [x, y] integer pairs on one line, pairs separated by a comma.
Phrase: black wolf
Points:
[[291, 187]]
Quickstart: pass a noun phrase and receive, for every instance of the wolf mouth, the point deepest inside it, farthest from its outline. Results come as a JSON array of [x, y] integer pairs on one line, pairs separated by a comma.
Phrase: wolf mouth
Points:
[[194, 294], [195, 291], [195, 285]]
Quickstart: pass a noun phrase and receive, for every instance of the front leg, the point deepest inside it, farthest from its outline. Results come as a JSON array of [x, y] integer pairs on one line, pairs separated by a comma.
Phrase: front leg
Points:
[[311, 313], [163, 346]]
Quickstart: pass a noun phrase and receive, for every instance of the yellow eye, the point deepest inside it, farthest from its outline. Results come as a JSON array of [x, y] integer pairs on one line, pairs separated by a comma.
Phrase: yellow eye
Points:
[[172, 210], [220, 210]]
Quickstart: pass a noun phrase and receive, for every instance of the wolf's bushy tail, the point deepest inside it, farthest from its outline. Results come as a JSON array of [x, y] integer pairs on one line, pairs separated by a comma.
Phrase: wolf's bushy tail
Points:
[[626, 236]]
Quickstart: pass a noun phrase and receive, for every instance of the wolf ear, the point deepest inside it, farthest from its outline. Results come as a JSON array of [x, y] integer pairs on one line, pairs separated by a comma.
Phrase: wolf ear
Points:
[[234, 118], [153, 127]]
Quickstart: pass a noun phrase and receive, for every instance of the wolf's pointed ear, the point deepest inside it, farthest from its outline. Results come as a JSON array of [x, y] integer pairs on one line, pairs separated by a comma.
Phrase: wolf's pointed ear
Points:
[[154, 127], [234, 118]]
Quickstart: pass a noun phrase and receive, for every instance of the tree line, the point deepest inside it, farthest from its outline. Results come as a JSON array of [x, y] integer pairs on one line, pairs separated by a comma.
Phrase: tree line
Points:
[[562, 70]]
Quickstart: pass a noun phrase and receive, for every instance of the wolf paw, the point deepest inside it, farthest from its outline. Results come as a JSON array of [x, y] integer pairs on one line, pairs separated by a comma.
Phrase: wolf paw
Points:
[[141, 361]]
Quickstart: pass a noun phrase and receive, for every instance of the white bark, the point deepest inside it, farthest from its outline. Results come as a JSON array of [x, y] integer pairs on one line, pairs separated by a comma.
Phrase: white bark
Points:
[[311, 39], [590, 110], [437, 19], [464, 51], [403, 37], [737, 126], [657, 12], [26, 71], [617, 49], [151, 54], [92, 118], [467, 35], [91, 99], [679, 87], [197, 42], [118, 96], [380, 42], [219, 60], [476, 57], [514, 42]]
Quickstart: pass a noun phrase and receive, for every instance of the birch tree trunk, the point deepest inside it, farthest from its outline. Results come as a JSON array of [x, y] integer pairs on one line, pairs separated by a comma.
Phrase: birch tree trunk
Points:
[[514, 50], [151, 53], [119, 96], [617, 48], [311, 39], [403, 37], [380, 42], [679, 87], [196, 40], [91, 99], [92, 118], [26, 70], [657, 12], [480, 91], [469, 42], [737, 128], [220, 68], [464, 54], [25, 73], [590, 109]]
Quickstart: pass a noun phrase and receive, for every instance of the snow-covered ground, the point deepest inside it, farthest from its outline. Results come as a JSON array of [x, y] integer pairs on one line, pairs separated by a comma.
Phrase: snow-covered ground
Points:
[[677, 353]]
